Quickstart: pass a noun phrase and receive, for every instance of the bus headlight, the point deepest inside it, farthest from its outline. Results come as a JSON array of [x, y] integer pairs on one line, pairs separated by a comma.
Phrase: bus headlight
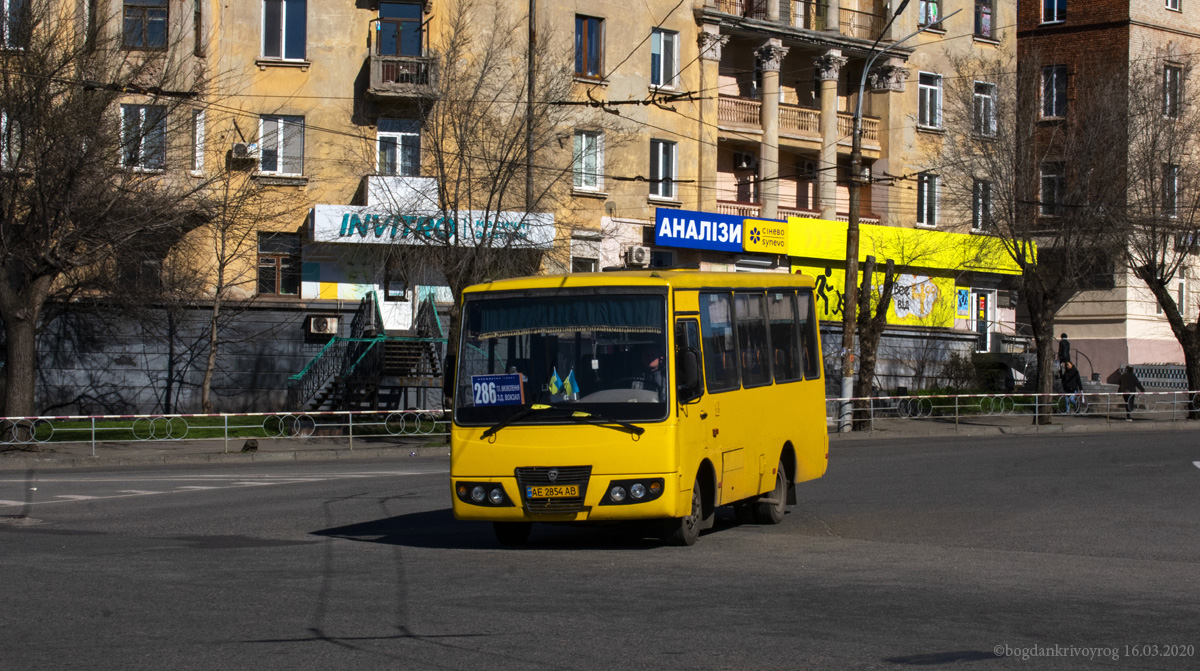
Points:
[[482, 494], [635, 490]]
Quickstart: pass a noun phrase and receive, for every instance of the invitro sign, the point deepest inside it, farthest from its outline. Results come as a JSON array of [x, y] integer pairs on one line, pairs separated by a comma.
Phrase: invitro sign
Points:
[[357, 224]]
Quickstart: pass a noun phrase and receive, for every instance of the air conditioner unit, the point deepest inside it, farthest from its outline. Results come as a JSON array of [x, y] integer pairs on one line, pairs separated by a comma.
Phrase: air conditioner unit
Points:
[[744, 161], [243, 151], [323, 325], [637, 256]]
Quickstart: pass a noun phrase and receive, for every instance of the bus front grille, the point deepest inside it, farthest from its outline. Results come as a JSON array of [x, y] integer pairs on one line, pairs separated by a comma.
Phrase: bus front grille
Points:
[[539, 476]]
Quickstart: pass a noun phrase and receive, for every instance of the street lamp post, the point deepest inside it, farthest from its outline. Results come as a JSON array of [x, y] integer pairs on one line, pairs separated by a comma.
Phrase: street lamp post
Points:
[[850, 292]]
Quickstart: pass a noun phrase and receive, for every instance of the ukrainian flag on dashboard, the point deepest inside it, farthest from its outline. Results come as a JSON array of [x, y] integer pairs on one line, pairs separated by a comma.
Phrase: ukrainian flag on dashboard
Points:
[[556, 383]]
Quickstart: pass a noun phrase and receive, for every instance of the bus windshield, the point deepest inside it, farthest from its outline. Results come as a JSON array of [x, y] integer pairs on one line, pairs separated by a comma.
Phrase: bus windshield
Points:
[[599, 353]]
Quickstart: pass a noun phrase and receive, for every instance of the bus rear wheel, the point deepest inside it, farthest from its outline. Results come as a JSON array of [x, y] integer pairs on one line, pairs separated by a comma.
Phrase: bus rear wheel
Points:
[[770, 510], [512, 534], [685, 530]]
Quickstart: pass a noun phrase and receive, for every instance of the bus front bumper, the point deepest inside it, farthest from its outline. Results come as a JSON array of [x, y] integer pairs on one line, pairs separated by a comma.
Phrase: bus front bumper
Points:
[[601, 498]]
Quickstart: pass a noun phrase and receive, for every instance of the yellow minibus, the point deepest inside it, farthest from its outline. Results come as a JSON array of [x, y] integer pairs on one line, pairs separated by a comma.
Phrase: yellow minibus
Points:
[[636, 395]]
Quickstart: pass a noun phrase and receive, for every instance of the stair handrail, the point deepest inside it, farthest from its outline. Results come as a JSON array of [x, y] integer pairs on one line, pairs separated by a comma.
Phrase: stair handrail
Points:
[[304, 385]]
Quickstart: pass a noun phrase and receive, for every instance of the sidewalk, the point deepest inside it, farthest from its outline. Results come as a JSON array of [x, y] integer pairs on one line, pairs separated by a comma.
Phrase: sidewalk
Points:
[[79, 455]]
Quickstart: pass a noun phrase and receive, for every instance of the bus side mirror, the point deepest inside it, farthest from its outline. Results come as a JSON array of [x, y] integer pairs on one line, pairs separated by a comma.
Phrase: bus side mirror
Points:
[[687, 373], [448, 369]]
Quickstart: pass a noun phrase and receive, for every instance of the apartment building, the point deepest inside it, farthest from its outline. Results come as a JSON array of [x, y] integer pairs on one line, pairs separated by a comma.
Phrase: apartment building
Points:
[[1117, 321], [737, 110]]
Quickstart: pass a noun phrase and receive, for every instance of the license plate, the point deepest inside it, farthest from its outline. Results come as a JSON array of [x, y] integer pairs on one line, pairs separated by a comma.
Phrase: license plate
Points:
[[551, 492]]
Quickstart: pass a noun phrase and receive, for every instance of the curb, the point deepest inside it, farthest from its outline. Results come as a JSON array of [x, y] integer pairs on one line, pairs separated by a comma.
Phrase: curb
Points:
[[202, 458], [968, 430]]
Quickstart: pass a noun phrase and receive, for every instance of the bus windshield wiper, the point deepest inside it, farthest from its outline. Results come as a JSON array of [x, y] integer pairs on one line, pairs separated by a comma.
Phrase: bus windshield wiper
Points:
[[515, 417], [598, 420]]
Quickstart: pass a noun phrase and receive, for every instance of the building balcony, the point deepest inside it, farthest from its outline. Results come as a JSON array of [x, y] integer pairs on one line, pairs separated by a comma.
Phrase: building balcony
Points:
[[794, 120], [402, 77], [752, 211], [809, 15]]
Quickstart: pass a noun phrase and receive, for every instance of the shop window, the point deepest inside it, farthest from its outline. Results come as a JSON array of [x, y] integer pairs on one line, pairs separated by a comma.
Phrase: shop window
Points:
[[278, 264]]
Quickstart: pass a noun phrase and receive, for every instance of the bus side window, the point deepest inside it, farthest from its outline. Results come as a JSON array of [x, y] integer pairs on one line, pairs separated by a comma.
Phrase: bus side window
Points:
[[785, 336], [808, 336], [720, 346], [687, 336], [752, 338]]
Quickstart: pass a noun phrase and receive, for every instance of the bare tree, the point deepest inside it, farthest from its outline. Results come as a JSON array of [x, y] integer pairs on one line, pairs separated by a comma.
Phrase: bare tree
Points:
[[87, 131], [1038, 171], [1160, 218]]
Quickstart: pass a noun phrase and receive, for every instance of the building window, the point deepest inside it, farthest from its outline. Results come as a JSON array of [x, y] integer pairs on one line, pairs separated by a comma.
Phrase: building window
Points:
[[399, 147], [1172, 88], [662, 169], [664, 55], [400, 31], [985, 109], [282, 145], [197, 141], [1054, 186], [1054, 11], [12, 24], [1173, 5], [278, 264], [1170, 189], [930, 13], [285, 23], [1054, 92], [144, 136], [584, 265], [145, 24], [197, 29], [589, 46], [929, 101], [927, 199], [981, 205], [589, 160], [395, 287], [10, 141], [983, 19]]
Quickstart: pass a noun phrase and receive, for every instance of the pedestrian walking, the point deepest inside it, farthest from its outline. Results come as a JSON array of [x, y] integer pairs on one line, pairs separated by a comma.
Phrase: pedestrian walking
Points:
[[1128, 386], [1064, 352], [1073, 387]]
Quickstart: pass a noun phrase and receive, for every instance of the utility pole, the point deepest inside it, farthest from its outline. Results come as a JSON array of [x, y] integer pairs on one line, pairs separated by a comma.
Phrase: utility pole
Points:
[[850, 290], [529, 105]]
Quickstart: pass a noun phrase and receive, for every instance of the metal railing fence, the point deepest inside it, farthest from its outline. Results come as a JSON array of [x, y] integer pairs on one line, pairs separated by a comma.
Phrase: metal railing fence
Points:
[[1109, 406], [132, 429]]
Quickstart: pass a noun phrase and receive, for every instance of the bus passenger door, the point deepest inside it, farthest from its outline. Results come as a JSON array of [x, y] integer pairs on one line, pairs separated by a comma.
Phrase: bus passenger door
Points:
[[695, 418]]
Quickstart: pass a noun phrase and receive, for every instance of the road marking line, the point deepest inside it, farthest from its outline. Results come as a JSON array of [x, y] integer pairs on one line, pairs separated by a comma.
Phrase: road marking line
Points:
[[1196, 464], [244, 483], [139, 492], [194, 488], [75, 497], [11, 503]]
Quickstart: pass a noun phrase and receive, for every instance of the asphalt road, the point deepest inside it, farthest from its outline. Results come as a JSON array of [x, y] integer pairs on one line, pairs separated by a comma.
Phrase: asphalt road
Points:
[[926, 553]]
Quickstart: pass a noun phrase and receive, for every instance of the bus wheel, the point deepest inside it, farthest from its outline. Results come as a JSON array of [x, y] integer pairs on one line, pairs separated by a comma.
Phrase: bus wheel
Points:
[[512, 534], [685, 530], [770, 510]]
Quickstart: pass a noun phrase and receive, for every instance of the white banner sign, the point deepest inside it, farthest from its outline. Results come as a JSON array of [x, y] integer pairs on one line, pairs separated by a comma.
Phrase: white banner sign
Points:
[[372, 225]]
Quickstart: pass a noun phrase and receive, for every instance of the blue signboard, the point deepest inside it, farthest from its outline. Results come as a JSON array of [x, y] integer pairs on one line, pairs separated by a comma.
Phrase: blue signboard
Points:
[[697, 230], [497, 389]]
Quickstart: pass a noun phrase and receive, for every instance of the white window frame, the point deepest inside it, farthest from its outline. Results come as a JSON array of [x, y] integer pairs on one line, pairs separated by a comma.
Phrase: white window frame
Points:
[[1057, 107], [1172, 90], [928, 193], [283, 21], [279, 121], [9, 40], [143, 135], [1174, 6], [929, 101], [981, 205], [584, 141], [658, 43], [929, 13], [414, 131], [984, 117], [989, 325], [1050, 201], [1170, 189], [1055, 16], [663, 152], [10, 141], [197, 141]]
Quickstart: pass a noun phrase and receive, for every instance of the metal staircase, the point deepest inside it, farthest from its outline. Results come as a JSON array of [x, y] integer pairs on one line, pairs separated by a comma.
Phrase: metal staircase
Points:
[[372, 369]]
